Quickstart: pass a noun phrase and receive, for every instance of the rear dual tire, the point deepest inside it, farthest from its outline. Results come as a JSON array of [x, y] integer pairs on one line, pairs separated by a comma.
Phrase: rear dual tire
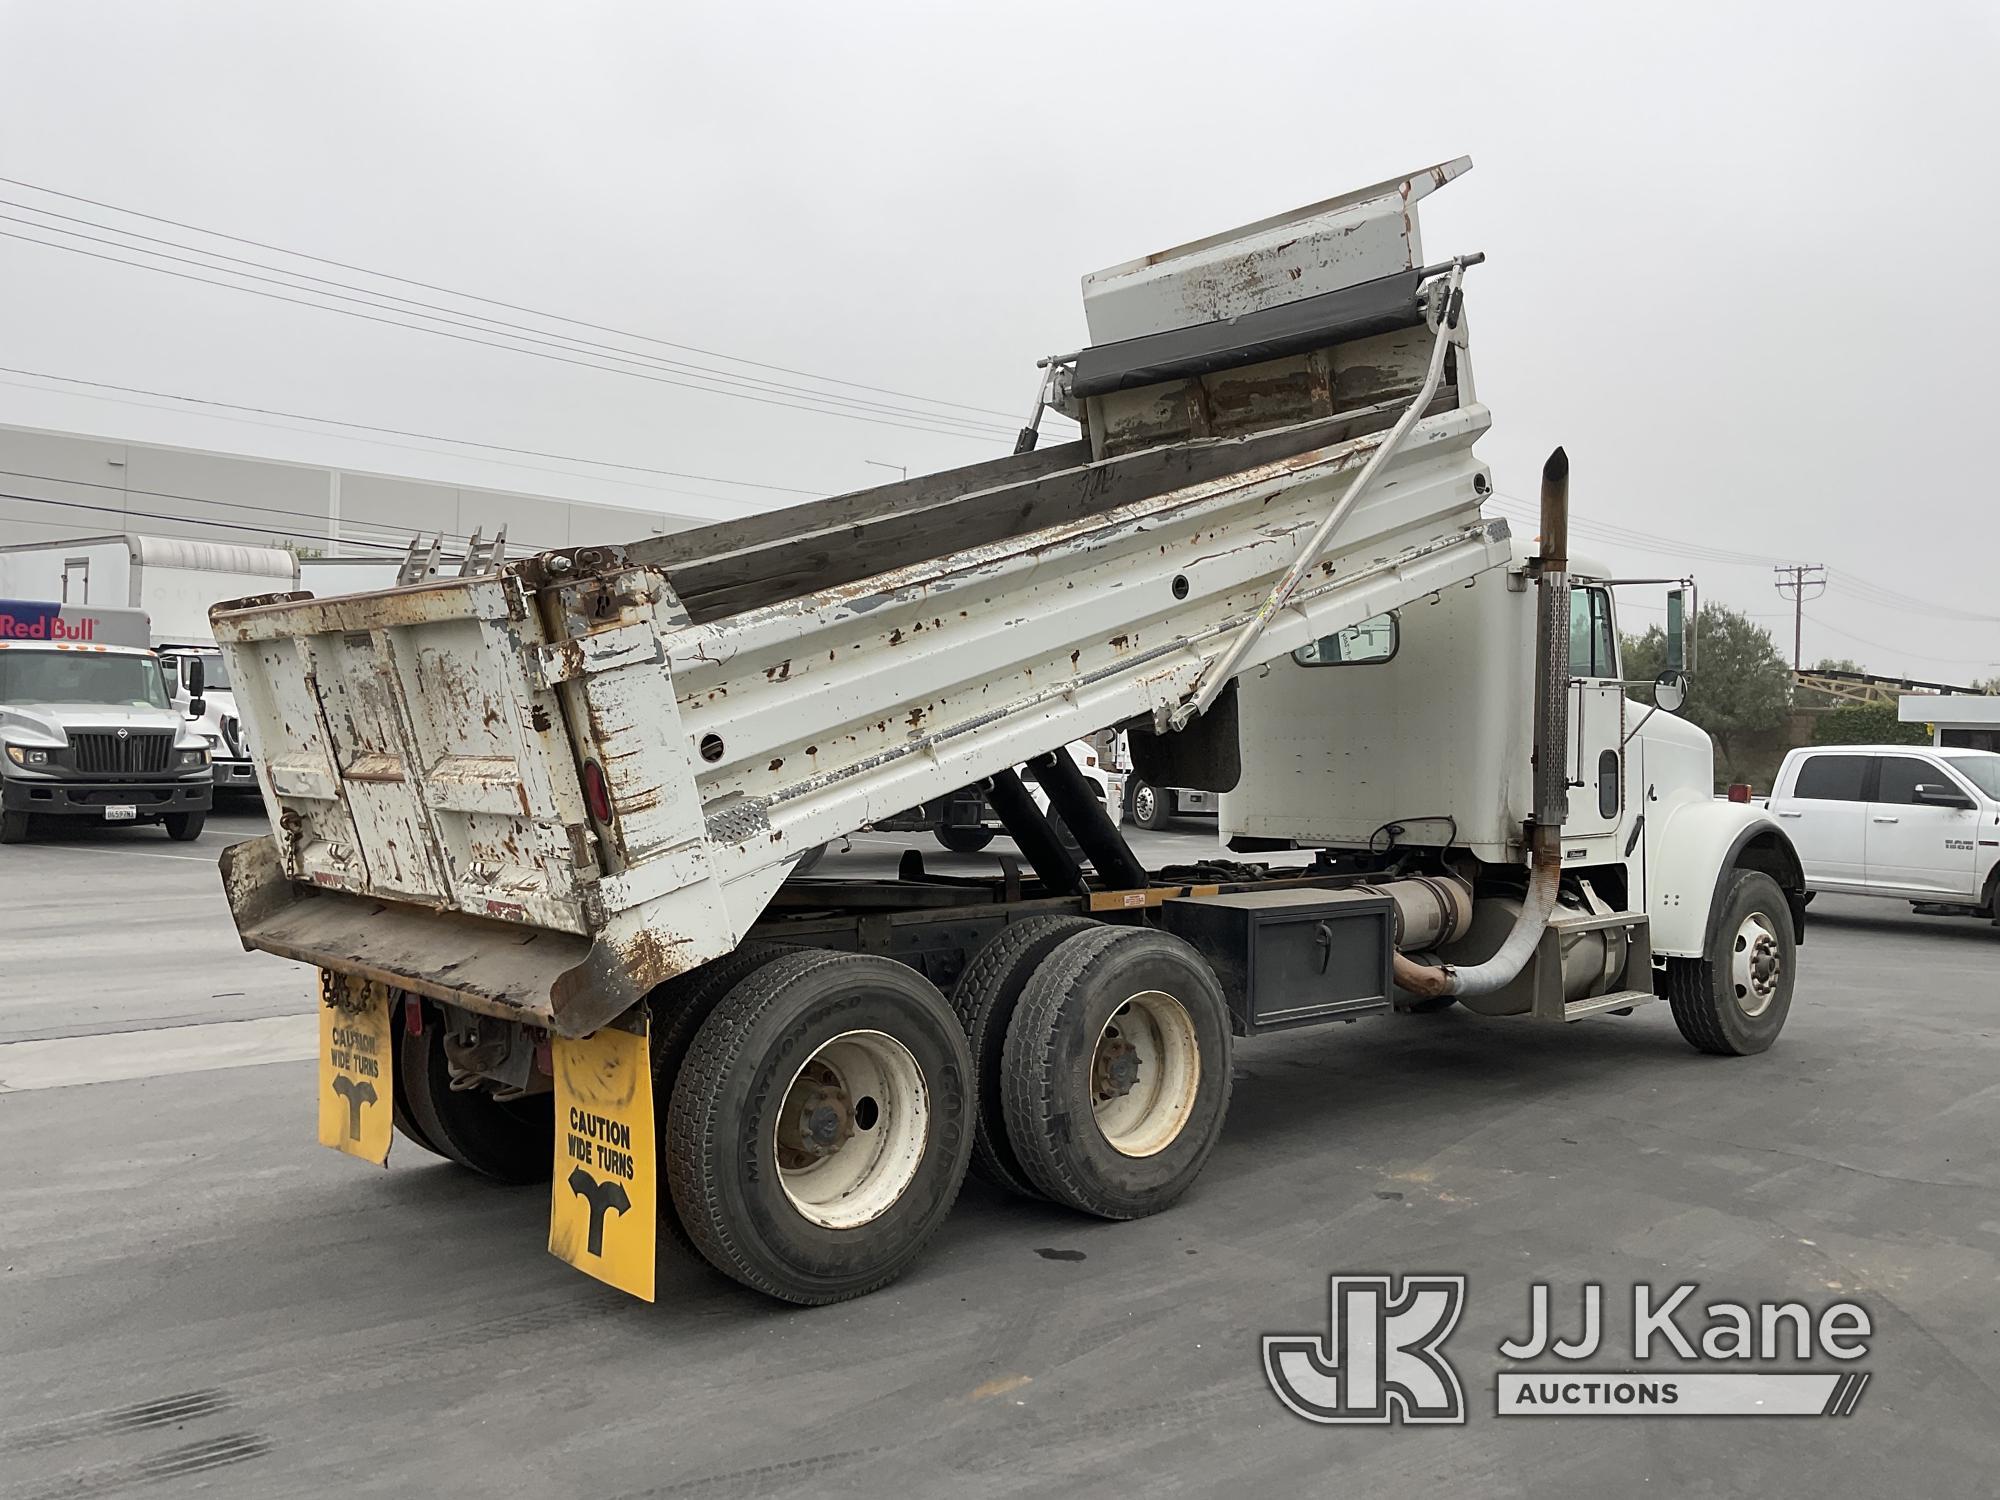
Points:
[[1117, 1071], [510, 1141], [988, 994], [820, 1125]]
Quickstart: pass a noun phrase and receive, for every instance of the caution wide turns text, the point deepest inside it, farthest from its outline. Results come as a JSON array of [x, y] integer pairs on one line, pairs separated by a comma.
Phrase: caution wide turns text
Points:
[[356, 1082], [603, 1210]]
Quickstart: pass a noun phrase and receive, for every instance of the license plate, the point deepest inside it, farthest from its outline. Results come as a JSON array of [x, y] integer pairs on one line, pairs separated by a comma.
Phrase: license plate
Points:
[[120, 812], [356, 1083]]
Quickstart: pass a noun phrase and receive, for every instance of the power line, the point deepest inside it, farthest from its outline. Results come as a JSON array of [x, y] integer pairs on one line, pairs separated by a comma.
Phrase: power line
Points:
[[266, 411], [518, 331], [1953, 661], [1875, 593], [263, 533], [436, 313], [587, 364], [490, 301], [242, 505]]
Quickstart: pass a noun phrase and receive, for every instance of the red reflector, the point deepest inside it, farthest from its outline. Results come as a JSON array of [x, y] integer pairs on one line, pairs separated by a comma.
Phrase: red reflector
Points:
[[1739, 791], [595, 792]]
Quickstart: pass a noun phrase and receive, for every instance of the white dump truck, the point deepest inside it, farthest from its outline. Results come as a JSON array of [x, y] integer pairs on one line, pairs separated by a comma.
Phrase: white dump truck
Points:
[[538, 828]]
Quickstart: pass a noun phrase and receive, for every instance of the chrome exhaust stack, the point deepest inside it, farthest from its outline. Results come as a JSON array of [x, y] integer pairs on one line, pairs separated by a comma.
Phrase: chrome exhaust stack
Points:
[[1550, 765]]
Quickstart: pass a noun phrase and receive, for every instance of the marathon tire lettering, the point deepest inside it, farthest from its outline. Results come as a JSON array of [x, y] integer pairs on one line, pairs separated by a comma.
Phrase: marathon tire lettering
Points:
[[600, 1196]]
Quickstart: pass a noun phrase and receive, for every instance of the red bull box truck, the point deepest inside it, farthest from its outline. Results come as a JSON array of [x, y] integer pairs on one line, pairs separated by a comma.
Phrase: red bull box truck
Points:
[[538, 828]]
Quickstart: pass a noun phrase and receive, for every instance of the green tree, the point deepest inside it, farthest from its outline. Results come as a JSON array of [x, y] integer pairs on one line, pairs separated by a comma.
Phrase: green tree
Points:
[[1867, 724], [1741, 687]]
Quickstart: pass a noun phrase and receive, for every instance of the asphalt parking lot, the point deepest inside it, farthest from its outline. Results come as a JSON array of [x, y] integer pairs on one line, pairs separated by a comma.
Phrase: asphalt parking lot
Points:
[[194, 1296]]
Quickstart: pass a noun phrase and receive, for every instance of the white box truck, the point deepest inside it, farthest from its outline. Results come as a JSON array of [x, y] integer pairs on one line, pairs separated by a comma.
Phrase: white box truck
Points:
[[173, 580], [86, 728], [538, 829]]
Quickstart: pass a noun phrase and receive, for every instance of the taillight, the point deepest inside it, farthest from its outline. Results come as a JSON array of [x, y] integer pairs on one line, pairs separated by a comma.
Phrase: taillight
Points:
[[596, 794], [1739, 791]]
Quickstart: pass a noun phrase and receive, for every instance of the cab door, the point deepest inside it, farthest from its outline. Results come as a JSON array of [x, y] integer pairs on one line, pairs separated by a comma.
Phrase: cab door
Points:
[[1826, 816], [1920, 846], [1597, 781]]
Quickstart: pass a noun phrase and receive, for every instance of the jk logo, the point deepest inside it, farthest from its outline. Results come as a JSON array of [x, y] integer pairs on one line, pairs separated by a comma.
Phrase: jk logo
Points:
[[356, 1095], [1379, 1361], [600, 1196]]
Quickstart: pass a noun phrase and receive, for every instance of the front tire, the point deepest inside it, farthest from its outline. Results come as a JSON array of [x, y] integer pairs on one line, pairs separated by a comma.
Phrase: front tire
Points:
[[1118, 1071], [1732, 1001], [821, 1126], [185, 828], [13, 828]]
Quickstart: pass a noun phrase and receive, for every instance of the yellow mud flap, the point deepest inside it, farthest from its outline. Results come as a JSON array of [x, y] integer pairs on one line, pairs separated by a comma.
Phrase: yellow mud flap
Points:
[[603, 1212], [356, 1082]]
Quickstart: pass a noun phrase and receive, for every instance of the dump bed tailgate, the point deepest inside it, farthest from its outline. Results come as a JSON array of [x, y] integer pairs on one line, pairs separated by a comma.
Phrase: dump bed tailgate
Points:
[[411, 750]]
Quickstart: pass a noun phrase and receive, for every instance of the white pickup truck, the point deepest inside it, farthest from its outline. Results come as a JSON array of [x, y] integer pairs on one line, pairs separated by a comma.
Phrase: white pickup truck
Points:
[[1910, 822]]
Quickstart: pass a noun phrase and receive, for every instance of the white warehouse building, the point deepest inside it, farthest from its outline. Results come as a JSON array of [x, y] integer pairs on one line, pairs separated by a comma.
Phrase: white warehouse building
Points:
[[55, 485]]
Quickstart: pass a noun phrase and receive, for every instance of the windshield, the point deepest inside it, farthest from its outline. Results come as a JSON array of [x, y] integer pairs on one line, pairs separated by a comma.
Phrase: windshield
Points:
[[214, 670], [80, 677], [1982, 770]]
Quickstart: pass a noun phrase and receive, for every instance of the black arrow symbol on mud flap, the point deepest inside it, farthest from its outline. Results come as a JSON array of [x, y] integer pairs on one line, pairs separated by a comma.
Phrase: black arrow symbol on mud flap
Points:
[[600, 1196], [356, 1095]]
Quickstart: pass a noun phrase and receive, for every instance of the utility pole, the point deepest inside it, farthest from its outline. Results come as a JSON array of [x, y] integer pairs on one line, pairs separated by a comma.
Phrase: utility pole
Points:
[[1793, 581]]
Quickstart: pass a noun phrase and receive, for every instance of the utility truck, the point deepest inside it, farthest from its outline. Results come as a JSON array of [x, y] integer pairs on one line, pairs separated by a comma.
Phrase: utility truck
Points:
[[538, 827], [87, 733]]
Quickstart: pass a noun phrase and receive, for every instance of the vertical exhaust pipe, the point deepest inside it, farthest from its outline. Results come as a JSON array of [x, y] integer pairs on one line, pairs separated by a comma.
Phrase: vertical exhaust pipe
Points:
[[1551, 765]]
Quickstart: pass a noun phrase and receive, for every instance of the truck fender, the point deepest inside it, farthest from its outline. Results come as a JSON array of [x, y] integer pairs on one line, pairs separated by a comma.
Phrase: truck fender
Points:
[[1690, 856]]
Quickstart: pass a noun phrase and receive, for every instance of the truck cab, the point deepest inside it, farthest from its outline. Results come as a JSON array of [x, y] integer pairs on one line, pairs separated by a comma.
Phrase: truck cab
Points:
[[219, 723], [1912, 823], [1416, 741], [86, 729]]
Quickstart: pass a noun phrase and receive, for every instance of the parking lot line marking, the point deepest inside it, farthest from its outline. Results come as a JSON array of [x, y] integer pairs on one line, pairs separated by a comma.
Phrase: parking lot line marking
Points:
[[117, 1056], [124, 853]]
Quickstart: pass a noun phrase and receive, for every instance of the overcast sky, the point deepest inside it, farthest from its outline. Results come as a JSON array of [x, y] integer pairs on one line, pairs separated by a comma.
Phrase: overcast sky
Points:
[[1738, 255]]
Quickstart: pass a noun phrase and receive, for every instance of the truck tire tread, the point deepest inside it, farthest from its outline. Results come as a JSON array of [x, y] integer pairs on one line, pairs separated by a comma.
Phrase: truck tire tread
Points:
[[985, 999], [679, 1007], [1061, 1160], [697, 1158], [1708, 1016]]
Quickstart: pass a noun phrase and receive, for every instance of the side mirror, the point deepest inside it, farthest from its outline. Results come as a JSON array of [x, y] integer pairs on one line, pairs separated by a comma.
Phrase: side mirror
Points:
[[1933, 794], [1670, 690], [196, 677]]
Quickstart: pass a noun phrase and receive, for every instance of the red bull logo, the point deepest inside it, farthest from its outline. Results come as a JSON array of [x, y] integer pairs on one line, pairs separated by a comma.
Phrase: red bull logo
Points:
[[56, 624]]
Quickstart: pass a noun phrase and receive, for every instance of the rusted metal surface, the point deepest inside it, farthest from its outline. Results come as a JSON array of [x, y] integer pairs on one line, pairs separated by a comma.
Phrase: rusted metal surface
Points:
[[734, 702]]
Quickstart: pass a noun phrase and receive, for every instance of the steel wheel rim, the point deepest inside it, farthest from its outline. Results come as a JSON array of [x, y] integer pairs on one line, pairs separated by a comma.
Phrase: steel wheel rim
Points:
[[1144, 1074], [1142, 805], [850, 1134], [1756, 964]]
